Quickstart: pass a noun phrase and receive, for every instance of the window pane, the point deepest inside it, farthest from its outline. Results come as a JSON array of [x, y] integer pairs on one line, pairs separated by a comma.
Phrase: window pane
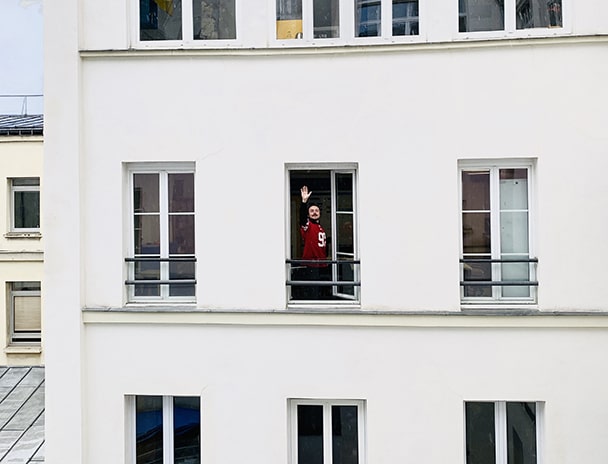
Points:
[[147, 270], [27, 210], [149, 429], [480, 433], [344, 192], [475, 190], [481, 15], [181, 193], [181, 234], [478, 272], [345, 236], [187, 430], [521, 433], [326, 18], [345, 435], [513, 189], [515, 272], [26, 181], [476, 233], [214, 19], [181, 270], [405, 17], [289, 19], [32, 286], [160, 19], [367, 18], [26, 313], [514, 232], [310, 434], [147, 235], [145, 193], [538, 13]]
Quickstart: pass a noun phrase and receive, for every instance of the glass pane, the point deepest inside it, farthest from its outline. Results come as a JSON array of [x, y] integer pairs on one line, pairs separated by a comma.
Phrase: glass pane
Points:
[[345, 435], [326, 18], [538, 13], [346, 273], [513, 189], [181, 234], [345, 235], [26, 313], [26, 181], [405, 17], [187, 430], [515, 272], [514, 232], [181, 193], [181, 270], [160, 20], [476, 233], [289, 19], [213, 19], [367, 18], [477, 272], [480, 433], [149, 429], [147, 270], [310, 434], [521, 433], [17, 286], [344, 192], [27, 210], [481, 15], [475, 190], [145, 193], [147, 235]]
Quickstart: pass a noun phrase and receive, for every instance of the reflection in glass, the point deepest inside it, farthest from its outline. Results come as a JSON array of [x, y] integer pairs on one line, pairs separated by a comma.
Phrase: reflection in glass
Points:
[[478, 272], [289, 19], [213, 19], [538, 13], [180, 270], [27, 210], [186, 430], [147, 234], [476, 190], [367, 18], [149, 429], [405, 17], [481, 15], [147, 270], [514, 232], [160, 20], [521, 433], [476, 236], [145, 193], [345, 435], [480, 433], [310, 434], [344, 192], [326, 17], [515, 272], [181, 193], [181, 234]]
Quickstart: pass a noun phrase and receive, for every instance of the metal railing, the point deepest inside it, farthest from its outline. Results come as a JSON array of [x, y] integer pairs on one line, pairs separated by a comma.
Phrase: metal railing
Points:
[[499, 283], [150, 259], [320, 264]]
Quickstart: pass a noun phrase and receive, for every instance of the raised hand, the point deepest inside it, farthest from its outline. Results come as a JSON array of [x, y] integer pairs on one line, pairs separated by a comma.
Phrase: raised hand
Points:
[[305, 194]]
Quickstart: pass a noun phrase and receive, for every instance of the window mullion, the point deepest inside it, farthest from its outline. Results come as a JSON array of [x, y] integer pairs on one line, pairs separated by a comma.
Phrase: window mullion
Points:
[[386, 18], [168, 430], [495, 228], [164, 229], [347, 19], [327, 429], [307, 19], [187, 21], [500, 423], [509, 12]]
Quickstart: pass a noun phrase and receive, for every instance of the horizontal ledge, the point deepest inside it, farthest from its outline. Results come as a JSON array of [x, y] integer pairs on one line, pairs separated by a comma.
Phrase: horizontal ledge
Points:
[[23, 349]]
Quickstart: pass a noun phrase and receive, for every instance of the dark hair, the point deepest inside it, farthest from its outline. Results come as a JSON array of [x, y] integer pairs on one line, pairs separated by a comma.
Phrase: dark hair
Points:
[[313, 203]]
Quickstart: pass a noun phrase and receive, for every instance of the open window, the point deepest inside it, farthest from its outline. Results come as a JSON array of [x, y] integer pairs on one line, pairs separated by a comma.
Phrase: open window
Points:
[[334, 277]]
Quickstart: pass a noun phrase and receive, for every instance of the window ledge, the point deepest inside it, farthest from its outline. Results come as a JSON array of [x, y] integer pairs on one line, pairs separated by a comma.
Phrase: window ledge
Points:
[[23, 235], [23, 349]]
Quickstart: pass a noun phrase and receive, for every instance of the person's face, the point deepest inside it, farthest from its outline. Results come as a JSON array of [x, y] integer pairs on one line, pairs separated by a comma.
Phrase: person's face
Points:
[[314, 213]]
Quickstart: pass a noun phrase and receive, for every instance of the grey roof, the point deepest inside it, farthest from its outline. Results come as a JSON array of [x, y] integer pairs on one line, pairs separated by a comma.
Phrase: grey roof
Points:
[[21, 415], [12, 124]]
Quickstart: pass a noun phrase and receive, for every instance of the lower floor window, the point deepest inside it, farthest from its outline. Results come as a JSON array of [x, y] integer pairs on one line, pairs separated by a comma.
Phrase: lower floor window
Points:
[[24, 317], [326, 431], [165, 429], [502, 432]]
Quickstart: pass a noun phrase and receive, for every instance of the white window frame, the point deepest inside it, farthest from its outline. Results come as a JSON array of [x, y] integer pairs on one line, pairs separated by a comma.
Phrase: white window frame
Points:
[[500, 428], [130, 427], [22, 188], [347, 27], [334, 168], [28, 338], [510, 31], [292, 407], [188, 40], [494, 165], [163, 169]]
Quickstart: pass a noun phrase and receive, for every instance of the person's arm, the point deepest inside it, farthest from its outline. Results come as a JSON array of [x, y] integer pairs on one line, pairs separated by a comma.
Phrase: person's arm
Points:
[[304, 205]]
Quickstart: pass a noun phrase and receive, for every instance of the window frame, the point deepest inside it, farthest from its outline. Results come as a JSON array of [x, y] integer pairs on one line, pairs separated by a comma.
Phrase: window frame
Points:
[[163, 169], [494, 166], [333, 168], [347, 35], [500, 428], [26, 337], [292, 411], [187, 31], [167, 418], [510, 30], [14, 189]]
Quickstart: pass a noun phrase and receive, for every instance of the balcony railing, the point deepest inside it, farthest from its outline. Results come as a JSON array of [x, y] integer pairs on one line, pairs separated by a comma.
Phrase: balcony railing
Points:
[[153, 272], [471, 282]]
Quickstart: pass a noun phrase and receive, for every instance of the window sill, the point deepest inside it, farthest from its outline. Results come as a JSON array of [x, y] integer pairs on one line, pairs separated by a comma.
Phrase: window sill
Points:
[[23, 235], [23, 349]]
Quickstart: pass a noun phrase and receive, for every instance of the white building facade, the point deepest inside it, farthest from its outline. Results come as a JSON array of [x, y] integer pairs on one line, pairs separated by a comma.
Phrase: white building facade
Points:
[[457, 152]]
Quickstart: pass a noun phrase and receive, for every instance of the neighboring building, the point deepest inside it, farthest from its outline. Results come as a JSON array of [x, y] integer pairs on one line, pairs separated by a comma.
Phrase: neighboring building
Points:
[[458, 150], [21, 243]]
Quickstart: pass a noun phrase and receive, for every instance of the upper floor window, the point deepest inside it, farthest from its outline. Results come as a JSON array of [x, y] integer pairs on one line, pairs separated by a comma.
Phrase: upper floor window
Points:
[[323, 264], [497, 260], [502, 432], [346, 19], [164, 429], [25, 204], [186, 21], [508, 15], [25, 317], [327, 431], [162, 263]]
